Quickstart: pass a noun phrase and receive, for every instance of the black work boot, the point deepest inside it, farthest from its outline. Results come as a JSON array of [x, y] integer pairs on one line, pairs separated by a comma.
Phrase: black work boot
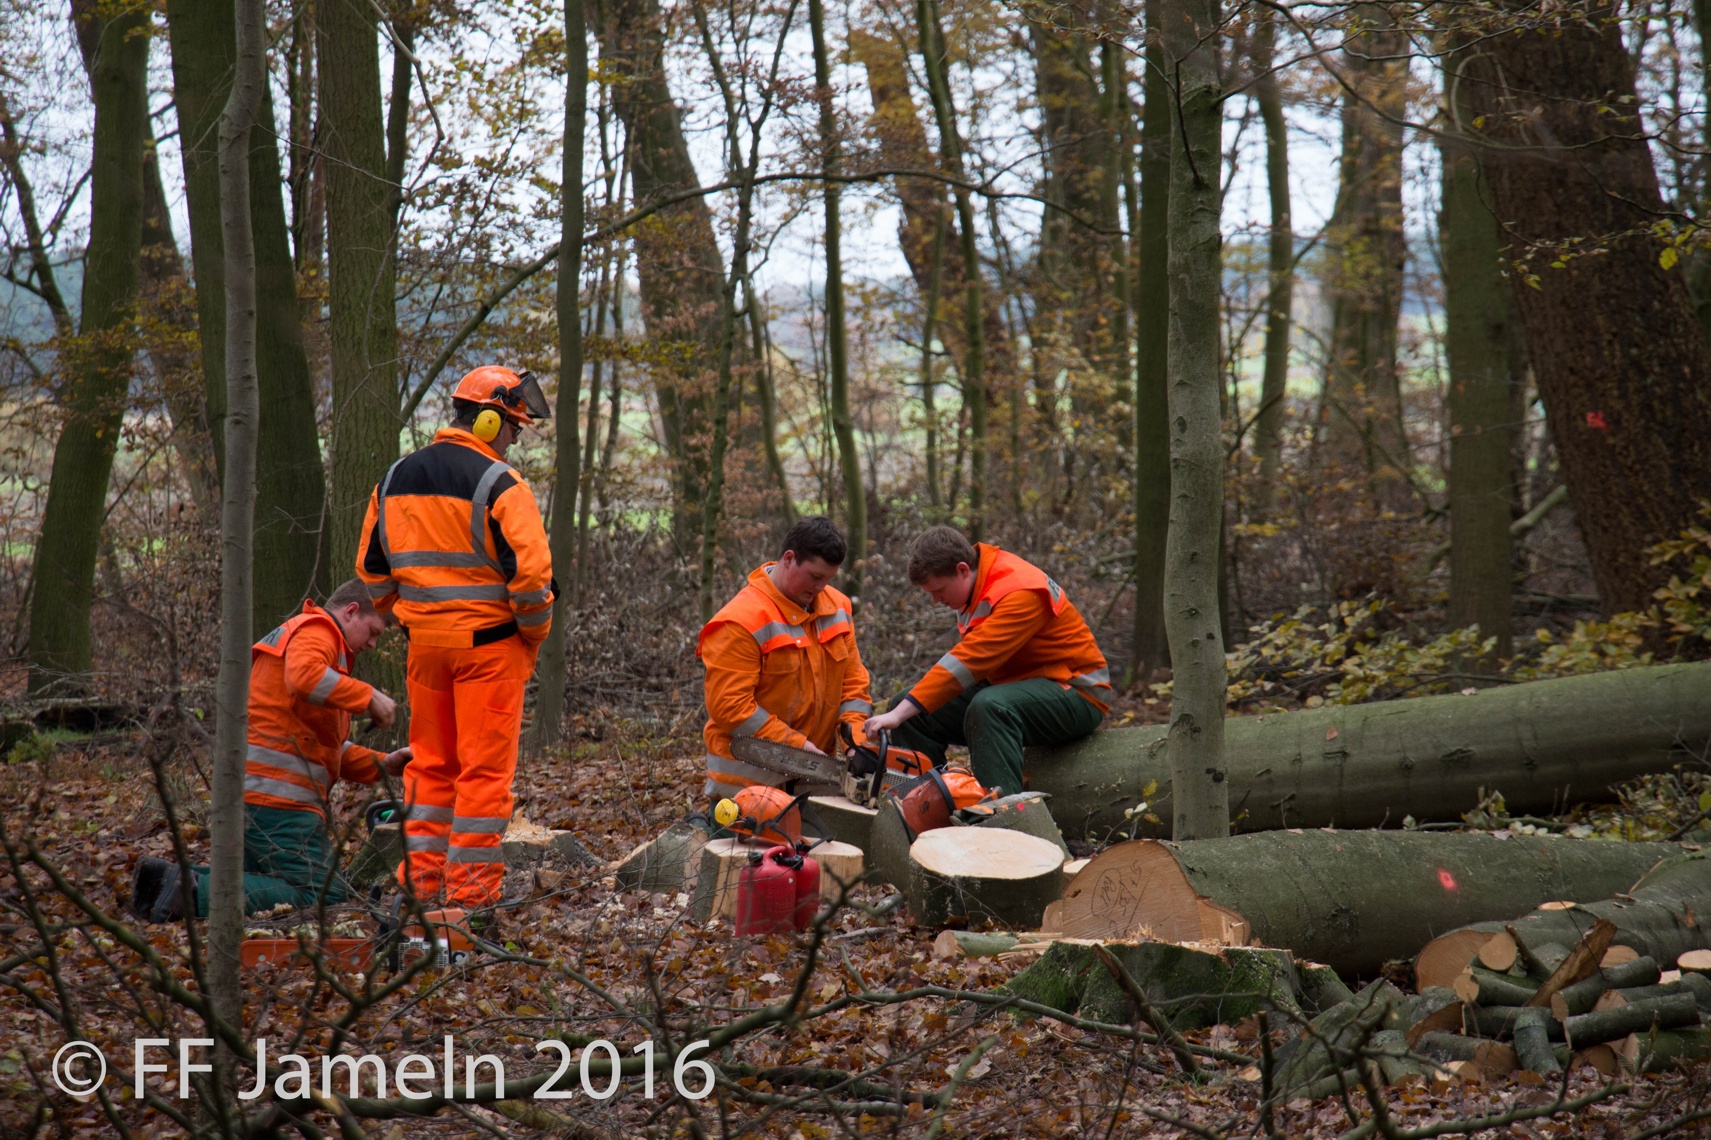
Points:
[[145, 885], [169, 903]]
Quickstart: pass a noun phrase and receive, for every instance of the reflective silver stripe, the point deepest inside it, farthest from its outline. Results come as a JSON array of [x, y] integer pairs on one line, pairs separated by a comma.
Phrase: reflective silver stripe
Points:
[[982, 610], [425, 843], [324, 687], [855, 706], [774, 629], [437, 558], [1098, 679], [378, 590], [428, 812], [753, 724], [272, 637], [535, 618], [481, 824], [380, 514], [478, 511], [346, 747], [1054, 589], [452, 593], [742, 771], [957, 669], [833, 620], [531, 597], [284, 790], [458, 854], [290, 763]]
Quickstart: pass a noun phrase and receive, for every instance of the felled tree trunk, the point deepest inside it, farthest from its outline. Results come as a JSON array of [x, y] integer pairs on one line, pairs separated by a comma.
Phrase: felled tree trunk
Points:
[[1350, 899], [1662, 917], [1371, 765]]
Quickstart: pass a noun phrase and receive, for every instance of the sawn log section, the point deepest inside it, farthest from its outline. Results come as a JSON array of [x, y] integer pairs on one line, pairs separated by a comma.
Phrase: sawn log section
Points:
[[1541, 744], [1349, 899]]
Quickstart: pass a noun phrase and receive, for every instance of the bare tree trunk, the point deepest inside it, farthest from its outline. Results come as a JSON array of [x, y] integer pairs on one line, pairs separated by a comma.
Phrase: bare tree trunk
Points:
[[935, 63], [1483, 394], [1151, 648], [237, 517], [1626, 383], [361, 267], [929, 380], [837, 351], [1280, 257], [98, 363], [761, 345], [549, 701], [1201, 803]]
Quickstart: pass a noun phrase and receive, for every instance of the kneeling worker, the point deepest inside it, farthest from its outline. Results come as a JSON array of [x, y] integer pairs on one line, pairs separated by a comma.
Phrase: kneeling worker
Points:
[[1026, 671], [301, 701], [781, 660]]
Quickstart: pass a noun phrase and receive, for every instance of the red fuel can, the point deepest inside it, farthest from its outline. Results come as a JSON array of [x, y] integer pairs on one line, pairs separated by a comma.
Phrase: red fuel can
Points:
[[766, 896]]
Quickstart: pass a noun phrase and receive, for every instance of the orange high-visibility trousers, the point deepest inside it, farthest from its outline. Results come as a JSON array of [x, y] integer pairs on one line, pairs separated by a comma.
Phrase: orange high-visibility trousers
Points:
[[466, 714]]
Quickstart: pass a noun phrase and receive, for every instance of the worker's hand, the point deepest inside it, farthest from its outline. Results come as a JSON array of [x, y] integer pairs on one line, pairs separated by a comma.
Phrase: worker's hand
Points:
[[887, 721], [810, 746], [382, 709], [394, 762]]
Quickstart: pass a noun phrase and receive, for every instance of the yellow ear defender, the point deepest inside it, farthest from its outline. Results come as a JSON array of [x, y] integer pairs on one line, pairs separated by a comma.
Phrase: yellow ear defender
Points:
[[487, 425]]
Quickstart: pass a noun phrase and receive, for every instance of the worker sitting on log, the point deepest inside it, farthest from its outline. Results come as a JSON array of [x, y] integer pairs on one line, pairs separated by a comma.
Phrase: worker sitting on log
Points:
[[1026, 671], [301, 701], [781, 660]]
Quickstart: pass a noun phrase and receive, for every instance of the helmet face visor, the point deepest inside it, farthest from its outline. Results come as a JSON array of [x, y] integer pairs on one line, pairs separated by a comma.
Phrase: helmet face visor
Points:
[[528, 393]]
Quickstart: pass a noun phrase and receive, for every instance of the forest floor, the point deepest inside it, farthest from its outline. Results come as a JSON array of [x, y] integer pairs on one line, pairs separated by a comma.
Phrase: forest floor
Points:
[[588, 962]]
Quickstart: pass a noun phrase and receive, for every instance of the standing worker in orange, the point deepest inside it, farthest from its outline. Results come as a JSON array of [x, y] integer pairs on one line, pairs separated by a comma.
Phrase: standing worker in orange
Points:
[[454, 547], [301, 701], [1025, 670], [781, 659]]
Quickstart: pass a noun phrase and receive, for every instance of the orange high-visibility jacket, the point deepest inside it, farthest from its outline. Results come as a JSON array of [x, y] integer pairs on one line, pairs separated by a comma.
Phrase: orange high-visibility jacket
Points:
[[1018, 625], [453, 546], [779, 672], [301, 700]]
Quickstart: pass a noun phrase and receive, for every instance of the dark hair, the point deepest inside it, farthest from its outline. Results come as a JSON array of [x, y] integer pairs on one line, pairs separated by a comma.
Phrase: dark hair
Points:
[[816, 537], [355, 590], [464, 413], [936, 552]]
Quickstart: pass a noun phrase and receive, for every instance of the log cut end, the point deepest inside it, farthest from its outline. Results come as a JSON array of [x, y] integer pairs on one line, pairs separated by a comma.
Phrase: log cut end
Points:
[[1443, 959], [1139, 890], [977, 872]]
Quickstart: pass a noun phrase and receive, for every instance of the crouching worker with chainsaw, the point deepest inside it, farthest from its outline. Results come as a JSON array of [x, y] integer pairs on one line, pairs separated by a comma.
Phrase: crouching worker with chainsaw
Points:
[[1026, 671], [784, 676], [301, 701]]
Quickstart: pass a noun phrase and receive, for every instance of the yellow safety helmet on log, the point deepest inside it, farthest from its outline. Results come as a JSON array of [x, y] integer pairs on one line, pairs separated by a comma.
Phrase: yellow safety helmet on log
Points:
[[500, 392]]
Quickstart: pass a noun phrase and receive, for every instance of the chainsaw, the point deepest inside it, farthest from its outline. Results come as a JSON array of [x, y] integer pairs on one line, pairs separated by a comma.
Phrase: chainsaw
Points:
[[861, 776]]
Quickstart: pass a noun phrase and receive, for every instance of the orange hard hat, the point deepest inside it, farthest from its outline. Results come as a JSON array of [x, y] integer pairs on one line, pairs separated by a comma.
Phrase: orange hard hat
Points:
[[517, 397], [762, 812]]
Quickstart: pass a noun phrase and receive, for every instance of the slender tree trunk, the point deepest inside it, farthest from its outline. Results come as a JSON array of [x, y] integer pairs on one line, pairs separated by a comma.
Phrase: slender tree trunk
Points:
[[1280, 258], [1369, 252], [1201, 802], [237, 518], [1484, 428], [361, 267], [1114, 117], [761, 345], [306, 210], [929, 380], [98, 363], [290, 481], [1152, 329], [935, 62], [1625, 383], [678, 262], [837, 350], [549, 702]]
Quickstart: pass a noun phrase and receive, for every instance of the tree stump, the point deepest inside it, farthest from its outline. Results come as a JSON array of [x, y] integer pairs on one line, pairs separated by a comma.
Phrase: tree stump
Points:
[[974, 873], [845, 820], [722, 861]]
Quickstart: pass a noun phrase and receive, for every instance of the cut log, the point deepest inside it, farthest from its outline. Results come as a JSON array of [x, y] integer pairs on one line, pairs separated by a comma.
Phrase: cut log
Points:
[[844, 820], [379, 856], [665, 864], [722, 861], [1352, 900], [1366, 765], [528, 844], [1601, 1058], [1670, 1012], [1500, 953], [1619, 955], [1657, 917], [1533, 1042], [1025, 812], [1486, 987], [1579, 964], [972, 944], [974, 873], [1665, 1049], [1333, 1036], [1583, 995], [1694, 961], [1194, 986], [841, 867]]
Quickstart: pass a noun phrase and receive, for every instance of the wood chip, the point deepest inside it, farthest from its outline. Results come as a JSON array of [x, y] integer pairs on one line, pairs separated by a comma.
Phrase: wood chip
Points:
[[1557, 906]]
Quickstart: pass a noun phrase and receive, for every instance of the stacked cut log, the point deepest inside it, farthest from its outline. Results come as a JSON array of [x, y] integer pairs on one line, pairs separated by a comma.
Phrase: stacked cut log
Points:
[[1357, 766]]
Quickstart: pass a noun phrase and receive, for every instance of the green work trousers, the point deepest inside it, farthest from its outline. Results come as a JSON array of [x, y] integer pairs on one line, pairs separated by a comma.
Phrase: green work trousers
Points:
[[997, 722], [288, 858]]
